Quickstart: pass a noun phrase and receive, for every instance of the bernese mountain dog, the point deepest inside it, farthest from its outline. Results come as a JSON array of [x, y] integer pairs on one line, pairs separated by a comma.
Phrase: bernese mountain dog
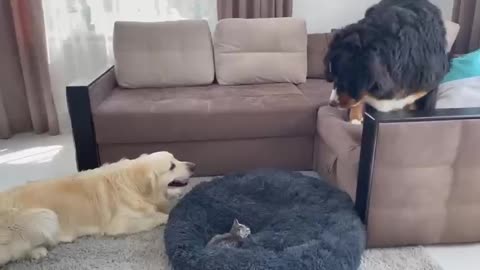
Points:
[[392, 59]]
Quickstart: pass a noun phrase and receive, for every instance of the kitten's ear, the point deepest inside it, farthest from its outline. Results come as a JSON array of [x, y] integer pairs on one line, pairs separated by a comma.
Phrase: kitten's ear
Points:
[[236, 223]]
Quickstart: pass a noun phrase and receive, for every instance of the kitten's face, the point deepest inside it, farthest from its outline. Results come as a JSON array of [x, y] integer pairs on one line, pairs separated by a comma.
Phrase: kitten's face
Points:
[[240, 229]]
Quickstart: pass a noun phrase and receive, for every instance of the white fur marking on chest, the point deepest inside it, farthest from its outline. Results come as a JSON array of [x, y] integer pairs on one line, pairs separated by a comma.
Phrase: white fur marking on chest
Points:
[[390, 105]]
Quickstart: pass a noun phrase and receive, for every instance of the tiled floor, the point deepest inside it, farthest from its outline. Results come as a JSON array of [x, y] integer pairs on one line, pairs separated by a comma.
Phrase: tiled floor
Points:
[[27, 157]]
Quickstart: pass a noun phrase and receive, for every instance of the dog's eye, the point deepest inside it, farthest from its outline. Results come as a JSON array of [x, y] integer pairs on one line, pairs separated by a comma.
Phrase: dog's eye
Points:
[[172, 166]]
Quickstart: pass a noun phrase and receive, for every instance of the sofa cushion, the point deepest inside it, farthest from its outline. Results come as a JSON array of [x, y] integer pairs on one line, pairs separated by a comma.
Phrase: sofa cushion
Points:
[[317, 49], [162, 54], [452, 33], [249, 51], [317, 91], [212, 112]]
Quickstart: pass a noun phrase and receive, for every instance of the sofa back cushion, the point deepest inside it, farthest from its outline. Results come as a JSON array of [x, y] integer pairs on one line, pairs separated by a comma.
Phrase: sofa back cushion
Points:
[[163, 54], [317, 49], [250, 51], [452, 33]]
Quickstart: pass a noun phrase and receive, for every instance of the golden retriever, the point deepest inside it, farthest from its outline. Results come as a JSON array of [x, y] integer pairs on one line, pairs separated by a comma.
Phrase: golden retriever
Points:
[[121, 198]]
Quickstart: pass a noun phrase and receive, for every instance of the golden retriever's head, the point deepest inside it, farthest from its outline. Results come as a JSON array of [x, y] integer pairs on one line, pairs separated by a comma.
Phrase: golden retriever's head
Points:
[[165, 173]]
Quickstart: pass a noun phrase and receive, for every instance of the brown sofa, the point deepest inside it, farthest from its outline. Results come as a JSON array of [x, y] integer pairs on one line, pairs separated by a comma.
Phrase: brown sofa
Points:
[[261, 113], [237, 105], [413, 176]]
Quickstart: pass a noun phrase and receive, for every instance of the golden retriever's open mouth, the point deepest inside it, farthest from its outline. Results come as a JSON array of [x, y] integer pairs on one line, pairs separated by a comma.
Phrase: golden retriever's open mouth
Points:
[[178, 183]]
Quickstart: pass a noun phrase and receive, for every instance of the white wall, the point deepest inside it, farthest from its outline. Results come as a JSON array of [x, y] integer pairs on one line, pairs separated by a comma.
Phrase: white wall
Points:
[[323, 15], [446, 6]]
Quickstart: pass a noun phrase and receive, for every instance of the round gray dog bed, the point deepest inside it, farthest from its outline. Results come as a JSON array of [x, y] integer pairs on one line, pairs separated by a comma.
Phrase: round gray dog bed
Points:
[[297, 222]]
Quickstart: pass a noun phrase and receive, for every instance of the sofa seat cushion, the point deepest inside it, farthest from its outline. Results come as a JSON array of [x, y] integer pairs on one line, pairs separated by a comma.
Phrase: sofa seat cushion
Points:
[[204, 113], [317, 91]]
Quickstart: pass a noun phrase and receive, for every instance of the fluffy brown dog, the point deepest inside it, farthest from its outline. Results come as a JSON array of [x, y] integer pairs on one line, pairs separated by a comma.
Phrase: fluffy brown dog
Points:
[[120, 198]]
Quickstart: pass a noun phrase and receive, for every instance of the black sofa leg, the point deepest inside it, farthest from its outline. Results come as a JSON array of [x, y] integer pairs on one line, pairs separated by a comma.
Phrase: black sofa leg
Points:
[[79, 108]]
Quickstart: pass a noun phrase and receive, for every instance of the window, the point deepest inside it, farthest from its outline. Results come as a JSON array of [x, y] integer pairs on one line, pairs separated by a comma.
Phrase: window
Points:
[[79, 33]]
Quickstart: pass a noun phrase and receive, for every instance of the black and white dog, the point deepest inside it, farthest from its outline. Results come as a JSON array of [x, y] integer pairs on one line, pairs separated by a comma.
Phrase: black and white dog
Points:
[[392, 59]]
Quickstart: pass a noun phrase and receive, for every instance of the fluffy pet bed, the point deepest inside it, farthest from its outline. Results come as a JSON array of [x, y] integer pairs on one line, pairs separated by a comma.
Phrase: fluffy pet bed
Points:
[[297, 222]]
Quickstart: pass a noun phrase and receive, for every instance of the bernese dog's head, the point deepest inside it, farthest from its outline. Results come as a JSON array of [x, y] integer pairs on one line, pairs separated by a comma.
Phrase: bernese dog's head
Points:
[[354, 68]]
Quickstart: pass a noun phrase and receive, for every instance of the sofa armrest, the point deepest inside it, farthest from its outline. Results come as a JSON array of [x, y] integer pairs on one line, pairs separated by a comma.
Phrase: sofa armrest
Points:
[[410, 163], [83, 97]]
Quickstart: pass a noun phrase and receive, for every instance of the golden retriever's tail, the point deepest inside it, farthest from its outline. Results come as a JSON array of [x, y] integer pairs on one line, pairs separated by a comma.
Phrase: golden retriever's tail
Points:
[[24, 230]]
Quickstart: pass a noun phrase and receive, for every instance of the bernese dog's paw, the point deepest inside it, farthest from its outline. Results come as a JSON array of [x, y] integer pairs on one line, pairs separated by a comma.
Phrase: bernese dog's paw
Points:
[[356, 121]]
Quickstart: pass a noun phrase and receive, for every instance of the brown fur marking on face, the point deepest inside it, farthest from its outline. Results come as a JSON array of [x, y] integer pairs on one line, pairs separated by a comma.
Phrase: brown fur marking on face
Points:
[[345, 101], [417, 96], [420, 94], [356, 112]]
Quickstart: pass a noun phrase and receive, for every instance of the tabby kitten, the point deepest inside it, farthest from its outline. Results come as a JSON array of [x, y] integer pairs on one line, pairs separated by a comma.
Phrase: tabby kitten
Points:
[[231, 239]]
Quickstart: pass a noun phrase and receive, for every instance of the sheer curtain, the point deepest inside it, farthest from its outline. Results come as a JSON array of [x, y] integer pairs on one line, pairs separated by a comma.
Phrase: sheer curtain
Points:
[[79, 34]]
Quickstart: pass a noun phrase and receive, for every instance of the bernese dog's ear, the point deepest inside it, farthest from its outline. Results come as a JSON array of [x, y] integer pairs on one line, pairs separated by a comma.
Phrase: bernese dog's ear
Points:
[[379, 73], [353, 40], [328, 71], [327, 63]]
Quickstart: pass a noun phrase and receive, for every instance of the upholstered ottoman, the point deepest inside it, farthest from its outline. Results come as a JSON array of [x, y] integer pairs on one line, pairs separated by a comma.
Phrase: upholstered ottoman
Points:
[[297, 222]]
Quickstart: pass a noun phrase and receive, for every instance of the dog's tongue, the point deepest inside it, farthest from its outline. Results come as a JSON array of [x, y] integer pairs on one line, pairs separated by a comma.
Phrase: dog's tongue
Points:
[[177, 184]]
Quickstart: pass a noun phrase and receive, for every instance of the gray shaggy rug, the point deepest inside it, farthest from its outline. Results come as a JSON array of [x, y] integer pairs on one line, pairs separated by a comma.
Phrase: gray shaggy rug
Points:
[[145, 251], [297, 222]]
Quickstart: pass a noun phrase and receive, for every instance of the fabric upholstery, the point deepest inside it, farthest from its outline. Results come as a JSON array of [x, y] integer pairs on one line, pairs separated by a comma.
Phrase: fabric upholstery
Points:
[[204, 113], [254, 8], [338, 148], [250, 51], [162, 54], [425, 196], [416, 197], [316, 91], [436, 187], [102, 88], [317, 49], [218, 157]]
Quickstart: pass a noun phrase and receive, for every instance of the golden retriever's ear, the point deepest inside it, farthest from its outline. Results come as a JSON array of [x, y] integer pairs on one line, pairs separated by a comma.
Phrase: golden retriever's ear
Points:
[[152, 182], [144, 179]]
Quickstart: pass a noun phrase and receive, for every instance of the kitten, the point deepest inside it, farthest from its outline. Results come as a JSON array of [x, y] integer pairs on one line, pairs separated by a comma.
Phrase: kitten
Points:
[[231, 239]]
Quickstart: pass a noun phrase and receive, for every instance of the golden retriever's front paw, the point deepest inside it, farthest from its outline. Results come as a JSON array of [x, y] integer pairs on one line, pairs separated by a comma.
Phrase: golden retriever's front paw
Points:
[[356, 122], [38, 253], [163, 220]]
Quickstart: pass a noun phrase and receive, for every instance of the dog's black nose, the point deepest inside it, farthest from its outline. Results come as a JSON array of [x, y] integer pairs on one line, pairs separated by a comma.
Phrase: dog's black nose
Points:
[[191, 166]]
